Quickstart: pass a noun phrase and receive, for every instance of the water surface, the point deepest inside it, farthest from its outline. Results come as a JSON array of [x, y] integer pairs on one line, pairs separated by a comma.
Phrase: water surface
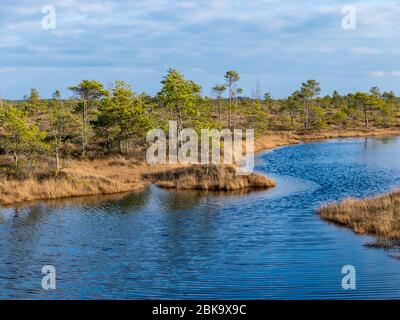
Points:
[[194, 245]]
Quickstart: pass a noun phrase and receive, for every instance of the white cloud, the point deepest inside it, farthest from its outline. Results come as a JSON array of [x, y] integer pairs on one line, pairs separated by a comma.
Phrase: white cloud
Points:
[[285, 37], [365, 51], [378, 74]]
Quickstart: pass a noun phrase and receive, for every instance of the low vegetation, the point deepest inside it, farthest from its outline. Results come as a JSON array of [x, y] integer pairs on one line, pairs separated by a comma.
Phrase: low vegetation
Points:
[[211, 177], [378, 216], [78, 179]]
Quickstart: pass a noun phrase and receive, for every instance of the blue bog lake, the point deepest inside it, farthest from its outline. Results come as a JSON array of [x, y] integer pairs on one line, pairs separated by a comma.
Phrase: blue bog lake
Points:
[[196, 245]]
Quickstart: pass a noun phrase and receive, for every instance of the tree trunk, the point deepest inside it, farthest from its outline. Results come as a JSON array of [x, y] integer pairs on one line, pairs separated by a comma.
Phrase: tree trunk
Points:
[[306, 111], [108, 143], [85, 120], [230, 107], [57, 162], [57, 151], [292, 119], [305, 117], [234, 115], [220, 109], [15, 158]]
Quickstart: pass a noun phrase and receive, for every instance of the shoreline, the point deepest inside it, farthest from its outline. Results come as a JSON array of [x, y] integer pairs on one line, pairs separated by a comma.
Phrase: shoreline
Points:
[[119, 175], [277, 139], [376, 216]]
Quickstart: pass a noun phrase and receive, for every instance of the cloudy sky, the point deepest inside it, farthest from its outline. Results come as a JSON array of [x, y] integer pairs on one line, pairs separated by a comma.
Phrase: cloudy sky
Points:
[[278, 42]]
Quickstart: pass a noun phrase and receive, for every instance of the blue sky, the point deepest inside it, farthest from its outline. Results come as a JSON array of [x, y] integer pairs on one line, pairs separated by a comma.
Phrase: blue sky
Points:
[[280, 43]]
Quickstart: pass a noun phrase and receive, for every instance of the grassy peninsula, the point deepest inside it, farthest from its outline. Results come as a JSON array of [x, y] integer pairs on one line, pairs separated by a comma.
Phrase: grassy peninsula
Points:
[[377, 216]]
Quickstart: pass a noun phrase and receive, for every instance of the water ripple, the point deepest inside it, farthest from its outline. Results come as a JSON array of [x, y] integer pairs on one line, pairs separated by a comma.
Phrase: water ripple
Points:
[[195, 245]]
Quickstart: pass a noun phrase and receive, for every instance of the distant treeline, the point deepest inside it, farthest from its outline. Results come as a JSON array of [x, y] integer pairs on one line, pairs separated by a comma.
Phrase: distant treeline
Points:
[[38, 132]]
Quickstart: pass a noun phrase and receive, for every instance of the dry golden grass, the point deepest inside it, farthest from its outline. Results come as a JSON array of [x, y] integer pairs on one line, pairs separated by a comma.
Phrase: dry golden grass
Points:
[[117, 175], [347, 133], [80, 178], [275, 139], [211, 177], [378, 216]]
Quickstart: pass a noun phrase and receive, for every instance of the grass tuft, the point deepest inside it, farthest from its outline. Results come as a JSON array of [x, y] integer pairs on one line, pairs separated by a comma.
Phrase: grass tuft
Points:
[[209, 177], [378, 216]]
